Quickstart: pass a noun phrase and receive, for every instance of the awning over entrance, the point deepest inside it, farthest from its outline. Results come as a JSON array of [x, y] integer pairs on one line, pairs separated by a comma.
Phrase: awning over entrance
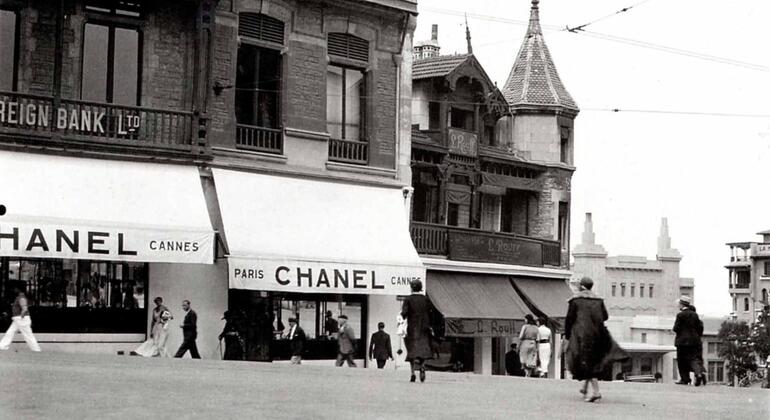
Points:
[[301, 235], [549, 296], [67, 207], [476, 305]]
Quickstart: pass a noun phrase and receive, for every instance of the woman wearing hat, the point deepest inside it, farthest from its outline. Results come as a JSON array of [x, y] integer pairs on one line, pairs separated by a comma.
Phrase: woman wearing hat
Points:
[[231, 333], [591, 348], [418, 333], [528, 338]]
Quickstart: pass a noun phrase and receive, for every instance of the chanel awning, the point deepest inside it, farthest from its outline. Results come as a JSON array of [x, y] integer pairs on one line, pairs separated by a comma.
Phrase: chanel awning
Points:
[[315, 236], [547, 296], [476, 305], [69, 207]]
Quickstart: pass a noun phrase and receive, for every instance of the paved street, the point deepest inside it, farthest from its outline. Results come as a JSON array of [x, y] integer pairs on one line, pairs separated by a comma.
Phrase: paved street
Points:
[[60, 385]]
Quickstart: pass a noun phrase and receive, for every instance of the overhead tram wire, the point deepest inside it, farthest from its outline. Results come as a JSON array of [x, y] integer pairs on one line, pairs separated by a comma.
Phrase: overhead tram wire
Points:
[[606, 37], [574, 29]]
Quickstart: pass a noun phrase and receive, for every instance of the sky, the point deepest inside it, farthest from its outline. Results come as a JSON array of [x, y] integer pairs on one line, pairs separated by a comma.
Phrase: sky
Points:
[[699, 156]]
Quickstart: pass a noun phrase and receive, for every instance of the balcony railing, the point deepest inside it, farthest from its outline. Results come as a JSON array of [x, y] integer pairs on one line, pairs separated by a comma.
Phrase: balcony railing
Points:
[[466, 244], [347, 151], [37, 116], [260, 139]]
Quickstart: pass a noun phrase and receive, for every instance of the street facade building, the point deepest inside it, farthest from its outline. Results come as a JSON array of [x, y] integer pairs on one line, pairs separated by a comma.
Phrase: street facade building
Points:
[[749, 277], [491, 174], [246, 155], [640, 295]]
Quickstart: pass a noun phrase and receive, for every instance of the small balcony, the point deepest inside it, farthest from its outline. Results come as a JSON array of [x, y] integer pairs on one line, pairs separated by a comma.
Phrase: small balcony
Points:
[[349, 151], [464, 244], [27, 118], [259, 139]]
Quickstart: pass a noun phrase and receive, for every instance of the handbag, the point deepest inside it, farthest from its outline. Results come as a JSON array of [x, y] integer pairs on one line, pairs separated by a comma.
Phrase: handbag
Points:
[[400, 327]]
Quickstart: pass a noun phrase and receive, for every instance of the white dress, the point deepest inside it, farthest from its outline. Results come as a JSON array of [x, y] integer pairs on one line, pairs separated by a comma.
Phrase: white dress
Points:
[[155, 345], [544, 349]]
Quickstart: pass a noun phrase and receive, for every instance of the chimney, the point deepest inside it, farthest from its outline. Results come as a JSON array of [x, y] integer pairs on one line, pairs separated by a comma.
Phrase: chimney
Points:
[[434, 33]]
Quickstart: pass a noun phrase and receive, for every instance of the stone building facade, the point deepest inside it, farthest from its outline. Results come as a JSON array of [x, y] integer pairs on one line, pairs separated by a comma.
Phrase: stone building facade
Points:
[[749, 277]]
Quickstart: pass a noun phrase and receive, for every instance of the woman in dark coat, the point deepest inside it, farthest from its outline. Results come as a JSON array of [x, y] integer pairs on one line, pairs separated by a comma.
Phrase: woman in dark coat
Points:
[[590, 346], [418, 333]]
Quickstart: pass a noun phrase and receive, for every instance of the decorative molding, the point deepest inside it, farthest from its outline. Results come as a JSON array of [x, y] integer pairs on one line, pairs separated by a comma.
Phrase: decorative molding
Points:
[[247, 154], [306, 134], [364, 170]]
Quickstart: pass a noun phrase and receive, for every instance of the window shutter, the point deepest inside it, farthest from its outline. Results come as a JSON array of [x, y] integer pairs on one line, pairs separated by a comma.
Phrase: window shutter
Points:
[[261, 27], [348, 46]]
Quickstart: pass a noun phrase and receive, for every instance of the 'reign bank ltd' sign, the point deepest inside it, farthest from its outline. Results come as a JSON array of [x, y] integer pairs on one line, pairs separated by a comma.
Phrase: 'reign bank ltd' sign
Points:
[[321, 277], [49, 240], [88, 121]]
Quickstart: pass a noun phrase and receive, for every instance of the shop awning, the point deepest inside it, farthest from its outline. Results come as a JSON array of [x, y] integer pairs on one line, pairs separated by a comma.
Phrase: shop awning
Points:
[[68, 207], [302, 235], [548, 296], [476, 305]]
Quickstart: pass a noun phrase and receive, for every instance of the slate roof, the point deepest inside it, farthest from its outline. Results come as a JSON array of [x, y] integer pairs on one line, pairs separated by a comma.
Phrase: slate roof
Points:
[[436, 66], [533, 80]]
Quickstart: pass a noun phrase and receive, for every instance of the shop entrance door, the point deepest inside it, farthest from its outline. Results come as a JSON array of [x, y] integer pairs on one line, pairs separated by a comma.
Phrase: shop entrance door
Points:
[[256, 318]]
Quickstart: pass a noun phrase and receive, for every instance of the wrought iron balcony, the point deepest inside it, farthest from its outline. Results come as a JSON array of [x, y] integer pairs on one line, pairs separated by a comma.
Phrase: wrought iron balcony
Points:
[[464, 244], [347, 151], [260, 139], [41, 119]]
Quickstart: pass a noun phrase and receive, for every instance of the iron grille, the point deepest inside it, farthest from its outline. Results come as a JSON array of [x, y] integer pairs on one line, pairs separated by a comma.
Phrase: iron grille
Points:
[[348, 46], [261, 27]]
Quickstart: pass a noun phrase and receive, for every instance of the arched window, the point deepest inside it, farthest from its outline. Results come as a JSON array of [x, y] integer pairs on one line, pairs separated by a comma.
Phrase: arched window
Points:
[[764, 296], [745, 304]]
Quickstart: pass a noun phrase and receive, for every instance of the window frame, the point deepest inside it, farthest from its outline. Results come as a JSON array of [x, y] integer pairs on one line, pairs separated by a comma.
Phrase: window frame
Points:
[[113, 22], [614, 289], [746, 305], [16, 47], [363, 128], [264, 45]]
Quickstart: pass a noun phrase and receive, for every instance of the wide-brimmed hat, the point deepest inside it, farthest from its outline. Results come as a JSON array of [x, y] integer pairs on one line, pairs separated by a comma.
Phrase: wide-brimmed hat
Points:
[[684, 300]]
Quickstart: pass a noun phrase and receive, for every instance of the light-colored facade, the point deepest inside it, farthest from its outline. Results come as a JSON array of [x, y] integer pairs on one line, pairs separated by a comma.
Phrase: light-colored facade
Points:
[[640, 296], [749, 277]]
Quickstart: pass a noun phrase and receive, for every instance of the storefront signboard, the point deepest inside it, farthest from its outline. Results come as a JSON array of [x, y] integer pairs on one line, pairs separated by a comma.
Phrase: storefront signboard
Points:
[[463, 142], [93, 121], [52, 239], [478, 327], [287, 275], [472, 246]]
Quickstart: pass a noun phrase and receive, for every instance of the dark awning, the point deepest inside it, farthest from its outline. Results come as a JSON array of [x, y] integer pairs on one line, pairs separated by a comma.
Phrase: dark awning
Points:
[[547, 296], [476, 305]]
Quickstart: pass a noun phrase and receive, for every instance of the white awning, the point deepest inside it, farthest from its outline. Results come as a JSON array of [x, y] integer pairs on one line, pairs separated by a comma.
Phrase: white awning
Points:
[[68, 207], [300, 235]]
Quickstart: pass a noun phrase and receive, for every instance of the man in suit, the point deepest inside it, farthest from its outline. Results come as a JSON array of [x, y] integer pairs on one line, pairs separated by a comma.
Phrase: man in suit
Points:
[[379, 346], [189, 331], [346, 343], [689, 329], [296, 337], [513, 363]]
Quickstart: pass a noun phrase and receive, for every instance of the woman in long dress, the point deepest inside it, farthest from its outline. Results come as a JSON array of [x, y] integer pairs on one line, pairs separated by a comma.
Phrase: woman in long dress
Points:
[[590, 347], [418, 332], [155, 346], [528, 338]]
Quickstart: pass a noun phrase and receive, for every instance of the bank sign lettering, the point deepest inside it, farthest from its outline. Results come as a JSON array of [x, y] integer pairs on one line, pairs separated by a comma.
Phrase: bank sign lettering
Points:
[[88, 121], [48, 240], [321, 277]]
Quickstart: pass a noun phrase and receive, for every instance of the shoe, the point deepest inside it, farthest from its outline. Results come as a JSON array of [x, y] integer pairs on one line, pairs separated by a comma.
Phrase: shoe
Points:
[[698, 380], [422, 376], [594, 398], [682, 383], [413, 378], [583, 391]]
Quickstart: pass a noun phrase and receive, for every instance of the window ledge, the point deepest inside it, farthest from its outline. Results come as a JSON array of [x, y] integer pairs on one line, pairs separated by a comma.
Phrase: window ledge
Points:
[[269, 157], [358, 169], [306, 134]]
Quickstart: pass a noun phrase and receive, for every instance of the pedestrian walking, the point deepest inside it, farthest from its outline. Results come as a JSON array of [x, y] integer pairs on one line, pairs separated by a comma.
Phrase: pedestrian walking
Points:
[[590, 347], [512, 362], [232, 336], [528, 338], [21, 322], [189, 332], [157, 311], [346, 342], [155, 346], [296, 338], [543, 346], [380, 348], [688, 329], [418, 333]]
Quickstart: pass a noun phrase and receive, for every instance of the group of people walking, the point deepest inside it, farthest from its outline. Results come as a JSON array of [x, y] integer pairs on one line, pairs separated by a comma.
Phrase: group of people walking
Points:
[[534, 353], [155, 346]]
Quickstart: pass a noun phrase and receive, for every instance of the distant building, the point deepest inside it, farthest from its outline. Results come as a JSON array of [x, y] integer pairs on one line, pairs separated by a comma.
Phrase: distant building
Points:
[[640, 296], [749, 277]]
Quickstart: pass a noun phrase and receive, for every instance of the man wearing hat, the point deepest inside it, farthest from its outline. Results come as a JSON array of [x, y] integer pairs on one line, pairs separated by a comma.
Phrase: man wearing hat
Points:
[[346, 343], [689, 330], [331, 327], [296, 336]]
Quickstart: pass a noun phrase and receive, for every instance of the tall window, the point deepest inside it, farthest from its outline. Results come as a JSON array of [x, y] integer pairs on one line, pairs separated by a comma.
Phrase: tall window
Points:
[[633, 288], [644, 337], [745, 304], [614, 288], [764, 296], [463, 119], [622, 290], [563, 224], [767, 268], [716, 372], [257, 86], [453, 214], [111, 69], [735, 304], [651, 291], [345, 92], [564, 145], [641, 290], [434, 115], [9, 49]]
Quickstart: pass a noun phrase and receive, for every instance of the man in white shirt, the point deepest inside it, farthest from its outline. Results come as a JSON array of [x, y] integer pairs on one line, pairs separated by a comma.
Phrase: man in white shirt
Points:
[[21, 322], [543, 346]]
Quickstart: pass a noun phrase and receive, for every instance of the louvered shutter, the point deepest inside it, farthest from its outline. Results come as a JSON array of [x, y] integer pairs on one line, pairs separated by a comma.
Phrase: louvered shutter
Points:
[[348, 46], [261, 27]]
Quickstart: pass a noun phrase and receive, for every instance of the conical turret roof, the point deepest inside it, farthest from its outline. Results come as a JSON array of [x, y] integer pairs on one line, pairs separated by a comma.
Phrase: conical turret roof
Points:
[[534, 81]]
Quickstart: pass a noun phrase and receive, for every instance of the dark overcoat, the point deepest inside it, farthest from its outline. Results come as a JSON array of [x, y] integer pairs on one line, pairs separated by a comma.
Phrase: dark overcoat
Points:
[[418, 334], [688, 328], [298, 341]]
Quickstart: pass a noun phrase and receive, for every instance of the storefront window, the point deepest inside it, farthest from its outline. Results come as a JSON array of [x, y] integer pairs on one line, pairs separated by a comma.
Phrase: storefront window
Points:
[[646, 366], [76, 296]]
